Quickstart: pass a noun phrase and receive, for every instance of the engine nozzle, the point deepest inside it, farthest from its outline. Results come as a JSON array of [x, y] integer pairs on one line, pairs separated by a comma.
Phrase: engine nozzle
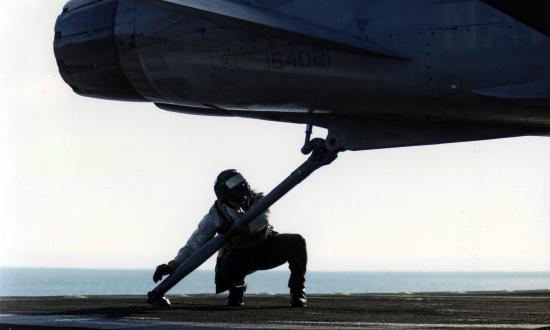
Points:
[[86, 51]]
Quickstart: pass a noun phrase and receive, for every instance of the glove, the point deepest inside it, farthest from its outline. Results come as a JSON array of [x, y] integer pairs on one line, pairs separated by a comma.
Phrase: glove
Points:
[[162, 270]]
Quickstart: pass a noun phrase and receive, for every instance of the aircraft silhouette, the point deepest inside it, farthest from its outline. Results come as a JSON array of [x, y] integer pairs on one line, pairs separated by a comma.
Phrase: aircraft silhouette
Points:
[[375, 73]]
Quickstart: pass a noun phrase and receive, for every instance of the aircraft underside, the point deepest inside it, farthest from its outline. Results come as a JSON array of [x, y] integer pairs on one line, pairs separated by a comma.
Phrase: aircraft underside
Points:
[[424, 72]]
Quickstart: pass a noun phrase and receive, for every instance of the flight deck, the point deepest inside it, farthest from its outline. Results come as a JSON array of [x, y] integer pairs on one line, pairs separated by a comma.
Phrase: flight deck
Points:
[[483, 310]]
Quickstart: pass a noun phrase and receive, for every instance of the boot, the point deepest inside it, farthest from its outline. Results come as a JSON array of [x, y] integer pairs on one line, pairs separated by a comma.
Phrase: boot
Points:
[[159, 302], [298, 298], [236, 293]]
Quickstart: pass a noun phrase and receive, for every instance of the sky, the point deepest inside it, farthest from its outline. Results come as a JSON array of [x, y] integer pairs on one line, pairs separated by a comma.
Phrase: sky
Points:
[[87, 183]]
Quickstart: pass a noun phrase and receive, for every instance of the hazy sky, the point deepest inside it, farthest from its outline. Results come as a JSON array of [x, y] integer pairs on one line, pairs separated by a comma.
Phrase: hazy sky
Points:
[[90, 183]]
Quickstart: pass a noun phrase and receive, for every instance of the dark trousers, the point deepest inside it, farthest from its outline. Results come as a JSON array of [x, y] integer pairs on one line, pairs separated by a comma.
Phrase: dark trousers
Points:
[[269, 253]]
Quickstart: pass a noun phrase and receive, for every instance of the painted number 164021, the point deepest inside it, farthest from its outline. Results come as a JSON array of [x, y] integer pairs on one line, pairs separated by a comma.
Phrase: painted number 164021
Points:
[[307, 58]]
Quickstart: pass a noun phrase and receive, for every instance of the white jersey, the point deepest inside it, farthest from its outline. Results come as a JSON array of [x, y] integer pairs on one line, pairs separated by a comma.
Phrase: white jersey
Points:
[[214, 222]]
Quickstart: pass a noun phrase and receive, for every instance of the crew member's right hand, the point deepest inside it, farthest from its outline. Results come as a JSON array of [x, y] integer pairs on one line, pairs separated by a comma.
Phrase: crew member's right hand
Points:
[[162, 270]]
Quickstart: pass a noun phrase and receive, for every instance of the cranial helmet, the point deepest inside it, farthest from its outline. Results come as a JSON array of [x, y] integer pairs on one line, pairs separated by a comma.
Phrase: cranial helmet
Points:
[[232, 188]]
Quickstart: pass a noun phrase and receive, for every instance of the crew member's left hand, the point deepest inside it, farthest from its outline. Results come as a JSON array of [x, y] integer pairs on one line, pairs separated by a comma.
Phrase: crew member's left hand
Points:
[[162, 270]]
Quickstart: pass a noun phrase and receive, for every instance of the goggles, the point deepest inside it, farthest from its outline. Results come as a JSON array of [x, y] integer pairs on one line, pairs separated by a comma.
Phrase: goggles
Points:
[[234, 181]]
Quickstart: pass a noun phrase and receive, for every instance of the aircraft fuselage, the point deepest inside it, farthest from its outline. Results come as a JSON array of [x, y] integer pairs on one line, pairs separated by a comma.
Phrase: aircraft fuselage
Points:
[[454, 61]]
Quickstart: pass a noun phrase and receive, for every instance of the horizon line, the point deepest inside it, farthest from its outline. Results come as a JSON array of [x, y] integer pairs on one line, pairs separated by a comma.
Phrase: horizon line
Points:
[[271, 270]]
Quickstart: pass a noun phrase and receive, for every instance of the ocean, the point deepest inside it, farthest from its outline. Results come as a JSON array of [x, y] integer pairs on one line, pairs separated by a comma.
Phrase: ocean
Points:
[[77, 282]]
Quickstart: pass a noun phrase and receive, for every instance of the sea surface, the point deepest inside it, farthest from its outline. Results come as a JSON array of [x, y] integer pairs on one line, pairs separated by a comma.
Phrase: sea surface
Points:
[[75, 282]]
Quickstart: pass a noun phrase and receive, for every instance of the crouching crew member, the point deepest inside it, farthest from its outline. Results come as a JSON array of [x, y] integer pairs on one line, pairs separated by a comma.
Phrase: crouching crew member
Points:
[[256, 246]]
